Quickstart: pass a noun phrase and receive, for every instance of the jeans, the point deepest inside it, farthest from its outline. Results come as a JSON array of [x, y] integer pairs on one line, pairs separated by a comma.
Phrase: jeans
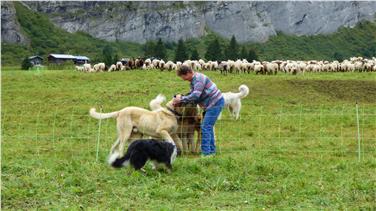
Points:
[[210, 117]]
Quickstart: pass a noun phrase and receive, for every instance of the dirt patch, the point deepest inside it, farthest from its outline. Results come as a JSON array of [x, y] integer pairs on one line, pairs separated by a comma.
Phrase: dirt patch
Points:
[[345, 90]]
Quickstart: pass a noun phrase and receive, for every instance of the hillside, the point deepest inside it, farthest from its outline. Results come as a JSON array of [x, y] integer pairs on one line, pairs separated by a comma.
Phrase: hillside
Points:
[[47, 38], [251, 21]]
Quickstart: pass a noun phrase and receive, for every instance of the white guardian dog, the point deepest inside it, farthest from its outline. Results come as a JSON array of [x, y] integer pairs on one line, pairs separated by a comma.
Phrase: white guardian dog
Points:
[[233, 100]]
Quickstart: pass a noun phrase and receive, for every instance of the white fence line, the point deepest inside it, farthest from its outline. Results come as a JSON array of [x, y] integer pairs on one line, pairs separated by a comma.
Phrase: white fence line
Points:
[[283, 128]]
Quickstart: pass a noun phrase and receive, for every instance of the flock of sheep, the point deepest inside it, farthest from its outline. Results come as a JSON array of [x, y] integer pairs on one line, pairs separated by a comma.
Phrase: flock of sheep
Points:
[[241, 66]]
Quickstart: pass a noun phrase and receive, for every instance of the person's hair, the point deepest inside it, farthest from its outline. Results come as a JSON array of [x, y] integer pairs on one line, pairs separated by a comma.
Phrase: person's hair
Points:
[[183, 70]]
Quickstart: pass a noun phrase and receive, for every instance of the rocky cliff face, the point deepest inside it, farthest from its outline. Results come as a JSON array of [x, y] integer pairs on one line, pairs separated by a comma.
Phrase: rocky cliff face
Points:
[[248, 21], [10, 29]]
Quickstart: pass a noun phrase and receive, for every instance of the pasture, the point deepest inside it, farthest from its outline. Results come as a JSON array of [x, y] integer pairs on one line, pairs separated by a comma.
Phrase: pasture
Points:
[[295, 145]]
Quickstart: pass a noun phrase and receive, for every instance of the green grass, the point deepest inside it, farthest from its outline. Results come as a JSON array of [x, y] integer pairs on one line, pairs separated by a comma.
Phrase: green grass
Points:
[[294, 147]]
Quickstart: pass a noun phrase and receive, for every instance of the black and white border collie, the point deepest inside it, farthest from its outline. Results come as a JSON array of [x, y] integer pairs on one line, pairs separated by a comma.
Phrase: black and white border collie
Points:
[[161, 153]]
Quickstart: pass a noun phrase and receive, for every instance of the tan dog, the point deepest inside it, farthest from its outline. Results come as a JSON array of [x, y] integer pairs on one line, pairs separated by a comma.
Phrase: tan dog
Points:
[[189, 121], [160, 124]]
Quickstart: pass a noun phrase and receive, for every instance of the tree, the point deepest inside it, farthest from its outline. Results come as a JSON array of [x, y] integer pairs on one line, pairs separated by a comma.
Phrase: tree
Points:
[[149, 49], [370, 51], [181, 52], [115, 59], [107, 54], [195, 55], [252, 55], [232, 50], [243, 53], [160, 50], [214, 51], [26, 64], [338, 56]]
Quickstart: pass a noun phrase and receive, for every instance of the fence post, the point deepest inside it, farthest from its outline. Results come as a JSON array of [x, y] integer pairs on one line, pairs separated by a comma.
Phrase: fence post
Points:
[[259, 127], [342, 121], [300, 122], [71, 125], [36, 128], [53, 129], [36, 125], [357, 122], [98, 135], [279, 126], [2, 125]]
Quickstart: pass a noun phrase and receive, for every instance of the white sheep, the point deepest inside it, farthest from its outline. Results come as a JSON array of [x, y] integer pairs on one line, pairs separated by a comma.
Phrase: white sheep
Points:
[[258, 68], [169, 65], [100, 67], [155, 63], [112, 68], [161, 64], [80, 68], [87, 67], [119, 65]]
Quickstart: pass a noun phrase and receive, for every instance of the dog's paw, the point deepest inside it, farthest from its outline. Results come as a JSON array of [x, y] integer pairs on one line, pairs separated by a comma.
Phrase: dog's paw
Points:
[[112, 158]]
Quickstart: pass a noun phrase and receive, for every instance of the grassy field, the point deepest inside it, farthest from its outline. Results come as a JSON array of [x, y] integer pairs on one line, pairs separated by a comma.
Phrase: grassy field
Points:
[[295, 146]]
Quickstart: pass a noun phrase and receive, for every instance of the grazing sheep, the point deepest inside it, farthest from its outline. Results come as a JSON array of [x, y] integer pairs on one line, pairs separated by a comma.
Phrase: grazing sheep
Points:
[[125, 67], [148, 64], [169, 66], [237, 66], [80, 68], [231, 65], [178, 65], [214, 65], [206, 66], [198, 67], [242, 65], [112, 68], [139, 62], [188, 63], [258, 68], [100, 67], [87, 67], [161, 65], [119, 65], [224, 67], [155, 63]]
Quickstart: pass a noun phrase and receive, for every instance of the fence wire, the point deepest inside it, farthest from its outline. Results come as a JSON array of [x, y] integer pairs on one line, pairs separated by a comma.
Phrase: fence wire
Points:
[[290, 129]]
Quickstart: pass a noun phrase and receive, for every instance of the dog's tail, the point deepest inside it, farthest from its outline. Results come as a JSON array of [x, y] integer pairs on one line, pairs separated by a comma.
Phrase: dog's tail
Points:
[[117, 162], [155, 104], [243, 91], [98, 115]]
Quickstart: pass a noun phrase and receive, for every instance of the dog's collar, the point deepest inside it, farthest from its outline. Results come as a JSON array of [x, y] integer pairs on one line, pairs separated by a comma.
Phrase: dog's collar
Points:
[[177, 115]]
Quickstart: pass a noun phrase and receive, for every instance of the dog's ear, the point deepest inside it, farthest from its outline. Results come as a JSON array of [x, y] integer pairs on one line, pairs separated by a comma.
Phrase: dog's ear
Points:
[[178, 94]]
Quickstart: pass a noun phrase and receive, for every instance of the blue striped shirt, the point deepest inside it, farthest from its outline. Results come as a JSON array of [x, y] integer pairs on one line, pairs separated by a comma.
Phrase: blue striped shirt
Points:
[[203, 92]]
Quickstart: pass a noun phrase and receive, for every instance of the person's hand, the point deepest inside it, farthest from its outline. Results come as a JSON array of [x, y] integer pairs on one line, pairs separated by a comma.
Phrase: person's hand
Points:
[[177, 100]]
